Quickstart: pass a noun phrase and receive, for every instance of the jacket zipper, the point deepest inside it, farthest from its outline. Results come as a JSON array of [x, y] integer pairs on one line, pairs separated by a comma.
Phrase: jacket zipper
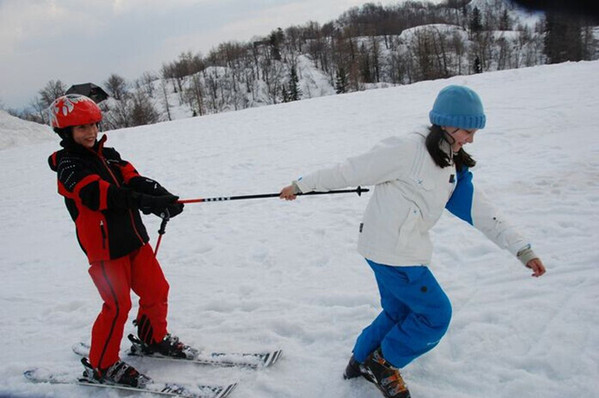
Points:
[[103, 234]]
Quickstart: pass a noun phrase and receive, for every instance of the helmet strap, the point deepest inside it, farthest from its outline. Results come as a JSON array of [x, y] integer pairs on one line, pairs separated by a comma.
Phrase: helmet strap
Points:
[[449, 135]]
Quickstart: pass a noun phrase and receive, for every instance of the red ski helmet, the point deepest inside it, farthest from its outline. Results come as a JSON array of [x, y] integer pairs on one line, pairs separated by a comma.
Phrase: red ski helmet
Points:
[[74, 110]]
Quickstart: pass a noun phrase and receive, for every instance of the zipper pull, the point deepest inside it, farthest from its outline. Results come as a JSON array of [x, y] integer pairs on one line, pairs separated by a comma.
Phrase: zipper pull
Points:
[[103, 234]]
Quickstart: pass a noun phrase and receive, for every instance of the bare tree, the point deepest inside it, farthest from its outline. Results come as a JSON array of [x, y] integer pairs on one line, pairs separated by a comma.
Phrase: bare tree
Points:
[[590, 49], [458, 45], [504, 53], [212, 81], [147, 83], [141, 109], [195, 95], [116, 86], [165, 102], [115, 116], [52, 90], [273, 77], [40, 111], [482, 47], [428, 49]]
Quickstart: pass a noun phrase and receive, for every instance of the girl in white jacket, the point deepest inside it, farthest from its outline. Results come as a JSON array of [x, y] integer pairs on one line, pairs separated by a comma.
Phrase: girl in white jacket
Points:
[[415, 178]]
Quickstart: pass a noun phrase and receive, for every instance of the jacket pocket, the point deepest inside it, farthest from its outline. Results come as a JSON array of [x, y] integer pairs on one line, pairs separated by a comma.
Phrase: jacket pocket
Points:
[[92, 231]]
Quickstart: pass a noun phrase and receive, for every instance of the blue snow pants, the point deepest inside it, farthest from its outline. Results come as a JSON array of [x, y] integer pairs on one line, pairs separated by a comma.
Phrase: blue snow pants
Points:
[[416, 314]]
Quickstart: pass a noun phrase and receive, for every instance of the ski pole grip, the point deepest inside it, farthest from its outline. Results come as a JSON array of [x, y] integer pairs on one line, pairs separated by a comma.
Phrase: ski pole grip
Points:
[[165, 218]]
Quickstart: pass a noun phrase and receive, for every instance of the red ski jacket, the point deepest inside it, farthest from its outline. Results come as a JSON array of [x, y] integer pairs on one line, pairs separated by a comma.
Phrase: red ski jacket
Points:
[[96, 184]]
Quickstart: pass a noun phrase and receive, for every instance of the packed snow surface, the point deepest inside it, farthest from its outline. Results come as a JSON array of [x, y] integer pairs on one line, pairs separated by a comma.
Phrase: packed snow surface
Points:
[[260, 274]]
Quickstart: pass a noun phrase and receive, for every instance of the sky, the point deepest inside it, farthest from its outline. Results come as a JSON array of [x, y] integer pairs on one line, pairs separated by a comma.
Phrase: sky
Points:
[[86, 41]]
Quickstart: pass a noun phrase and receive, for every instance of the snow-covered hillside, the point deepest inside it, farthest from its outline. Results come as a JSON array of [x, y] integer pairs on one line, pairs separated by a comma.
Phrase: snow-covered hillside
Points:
[[16, 132], [245, 75], [267, 273]]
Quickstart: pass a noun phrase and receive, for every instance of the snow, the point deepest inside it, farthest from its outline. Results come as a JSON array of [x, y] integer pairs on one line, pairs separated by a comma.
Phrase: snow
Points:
[[313, 82], [16, 132], [262, 274]]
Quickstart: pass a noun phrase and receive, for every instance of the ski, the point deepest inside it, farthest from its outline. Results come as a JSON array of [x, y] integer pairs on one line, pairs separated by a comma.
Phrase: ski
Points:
[[40, 375], [252, 360]]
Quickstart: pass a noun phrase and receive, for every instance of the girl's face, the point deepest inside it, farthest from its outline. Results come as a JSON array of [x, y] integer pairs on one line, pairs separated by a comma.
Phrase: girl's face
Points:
[[460, 137], [86, 134]]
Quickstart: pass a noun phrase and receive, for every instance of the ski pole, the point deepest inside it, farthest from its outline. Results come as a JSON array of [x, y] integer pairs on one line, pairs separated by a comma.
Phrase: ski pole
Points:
[[165, 218], [357, 190]]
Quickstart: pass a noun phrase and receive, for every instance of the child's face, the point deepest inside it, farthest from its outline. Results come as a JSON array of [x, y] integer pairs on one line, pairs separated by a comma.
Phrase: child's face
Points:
[[460, 137], [85, 134]]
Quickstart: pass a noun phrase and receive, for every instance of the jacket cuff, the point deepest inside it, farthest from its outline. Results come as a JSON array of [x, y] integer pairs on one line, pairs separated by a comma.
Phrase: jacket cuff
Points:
[[526, 254], [296, 187]]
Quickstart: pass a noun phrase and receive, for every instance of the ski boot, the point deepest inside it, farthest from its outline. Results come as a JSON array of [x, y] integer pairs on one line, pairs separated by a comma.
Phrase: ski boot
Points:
[[170, 346], [119, 373], [385, 376], [356, 369]]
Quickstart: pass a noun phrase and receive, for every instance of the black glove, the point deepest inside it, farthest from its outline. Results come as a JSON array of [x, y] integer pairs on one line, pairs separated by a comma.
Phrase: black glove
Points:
[[175, 209], [156, 204], [147, 186]]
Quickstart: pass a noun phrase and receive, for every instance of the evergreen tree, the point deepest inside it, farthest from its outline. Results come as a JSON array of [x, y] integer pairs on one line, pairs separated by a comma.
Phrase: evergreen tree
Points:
[[365, 69], [275, 40], [341, 83], [475, 24], [293, 92], [504, 21], [563, 38], [285, 94], [478, 68]]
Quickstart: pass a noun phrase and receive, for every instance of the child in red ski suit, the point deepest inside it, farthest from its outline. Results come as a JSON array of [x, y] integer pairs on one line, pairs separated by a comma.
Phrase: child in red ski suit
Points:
[[103, 195]]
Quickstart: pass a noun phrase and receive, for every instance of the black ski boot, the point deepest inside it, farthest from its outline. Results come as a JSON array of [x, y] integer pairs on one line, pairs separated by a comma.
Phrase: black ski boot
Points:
[[385, 376], [170, 346], [356, 369], [119, 373], [352, 370]]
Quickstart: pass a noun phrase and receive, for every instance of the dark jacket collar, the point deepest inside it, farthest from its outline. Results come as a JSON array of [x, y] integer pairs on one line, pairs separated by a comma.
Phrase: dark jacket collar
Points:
[[70, 145]]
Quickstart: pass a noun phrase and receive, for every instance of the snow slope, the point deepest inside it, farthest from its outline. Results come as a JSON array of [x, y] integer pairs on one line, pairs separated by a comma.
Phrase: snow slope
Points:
[[266, 273], [16, 132]]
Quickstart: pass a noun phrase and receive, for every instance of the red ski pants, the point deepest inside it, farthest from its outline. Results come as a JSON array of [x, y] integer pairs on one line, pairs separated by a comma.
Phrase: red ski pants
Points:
[[140, 272]]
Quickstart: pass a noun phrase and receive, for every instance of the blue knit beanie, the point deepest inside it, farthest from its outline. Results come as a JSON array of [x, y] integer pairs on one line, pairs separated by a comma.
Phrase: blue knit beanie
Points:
[[458, 106]]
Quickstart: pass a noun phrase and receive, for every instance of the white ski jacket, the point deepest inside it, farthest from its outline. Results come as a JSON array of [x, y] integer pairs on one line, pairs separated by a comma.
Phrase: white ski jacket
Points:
[[409, 196]]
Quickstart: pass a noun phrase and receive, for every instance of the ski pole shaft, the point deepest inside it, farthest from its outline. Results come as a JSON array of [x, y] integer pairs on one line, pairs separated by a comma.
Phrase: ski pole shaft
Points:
[[357, 190]]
